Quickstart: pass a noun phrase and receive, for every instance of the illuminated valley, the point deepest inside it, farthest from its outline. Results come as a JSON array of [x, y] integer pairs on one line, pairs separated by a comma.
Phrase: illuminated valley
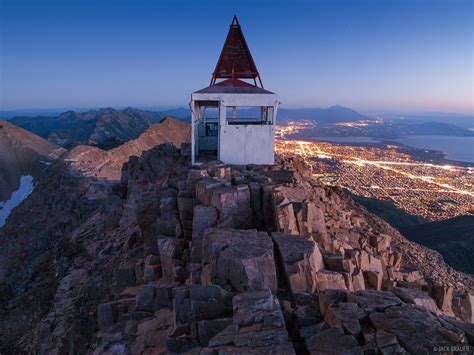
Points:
[[384, 172]]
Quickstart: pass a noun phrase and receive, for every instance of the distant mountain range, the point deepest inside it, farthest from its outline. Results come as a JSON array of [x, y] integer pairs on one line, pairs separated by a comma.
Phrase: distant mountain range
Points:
[[462, 120], [180, 112], [434, 128], [106, 126], [333, 114]]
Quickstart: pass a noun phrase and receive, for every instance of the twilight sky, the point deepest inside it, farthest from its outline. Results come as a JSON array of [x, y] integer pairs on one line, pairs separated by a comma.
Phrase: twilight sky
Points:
[[402, 55]]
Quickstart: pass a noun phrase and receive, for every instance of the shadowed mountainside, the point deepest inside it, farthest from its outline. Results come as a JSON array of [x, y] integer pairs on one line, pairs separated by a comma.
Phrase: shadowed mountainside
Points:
[[21, 153], [453, 238], [390, 213]]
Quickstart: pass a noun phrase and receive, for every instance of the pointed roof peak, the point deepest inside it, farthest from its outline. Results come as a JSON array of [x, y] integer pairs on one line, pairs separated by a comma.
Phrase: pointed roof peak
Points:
[[235, 22], [235, 60]]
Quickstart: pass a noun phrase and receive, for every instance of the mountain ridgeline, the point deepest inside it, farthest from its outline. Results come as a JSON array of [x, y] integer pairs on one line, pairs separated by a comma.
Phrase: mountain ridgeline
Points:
[[108, 127], [107, 164], [104, 127], [333, 114]]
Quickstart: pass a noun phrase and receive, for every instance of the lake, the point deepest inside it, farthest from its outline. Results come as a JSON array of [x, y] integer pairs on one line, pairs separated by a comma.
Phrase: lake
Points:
[[348, 139], [456, 148]]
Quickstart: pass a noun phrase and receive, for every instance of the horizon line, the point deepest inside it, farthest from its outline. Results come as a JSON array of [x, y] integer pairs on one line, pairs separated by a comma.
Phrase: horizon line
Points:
[[158, 108]]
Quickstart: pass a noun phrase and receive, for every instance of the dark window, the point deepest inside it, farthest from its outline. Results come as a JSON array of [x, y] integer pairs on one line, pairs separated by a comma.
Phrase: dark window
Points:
[[211, 129]]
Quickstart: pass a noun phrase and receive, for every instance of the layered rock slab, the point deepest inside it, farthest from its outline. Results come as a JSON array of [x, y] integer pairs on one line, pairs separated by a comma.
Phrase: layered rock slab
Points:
[[257, 325], [301, 261], [238, 260], [417, 329]]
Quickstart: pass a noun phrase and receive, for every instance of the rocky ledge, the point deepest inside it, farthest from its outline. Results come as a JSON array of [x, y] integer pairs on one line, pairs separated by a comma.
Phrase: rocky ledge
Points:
[[244, 259]]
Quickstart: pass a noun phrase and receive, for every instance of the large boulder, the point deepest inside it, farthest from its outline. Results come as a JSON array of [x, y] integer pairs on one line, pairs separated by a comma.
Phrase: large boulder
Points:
[[207, 329], [306, 309], [204, 217], [286, 219], [416, 329], [370, 300], [152, 333], [463, 307], [327, 279], [311, 219], [374, 279], [155, 295], [240, 260], [194, 176], [329, 297], [171, 250], [416, 296], [387, 343], [443, 296], [346, 315], [357, 280], [257, 325], [168, 222], [373, 270], [210, 302], [333, 341], [380, 242], [301, 260], [232, 202]]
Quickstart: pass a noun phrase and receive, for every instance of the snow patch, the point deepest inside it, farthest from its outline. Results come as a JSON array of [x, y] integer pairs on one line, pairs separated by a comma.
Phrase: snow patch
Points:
[[25, 189]]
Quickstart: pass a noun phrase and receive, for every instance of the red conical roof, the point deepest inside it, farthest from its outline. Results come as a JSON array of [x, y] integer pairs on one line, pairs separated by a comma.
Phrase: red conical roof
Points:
[[235, 60]]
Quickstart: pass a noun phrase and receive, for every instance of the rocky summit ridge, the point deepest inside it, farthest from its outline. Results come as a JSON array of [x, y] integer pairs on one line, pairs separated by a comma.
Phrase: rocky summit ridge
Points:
[[229, 260]]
